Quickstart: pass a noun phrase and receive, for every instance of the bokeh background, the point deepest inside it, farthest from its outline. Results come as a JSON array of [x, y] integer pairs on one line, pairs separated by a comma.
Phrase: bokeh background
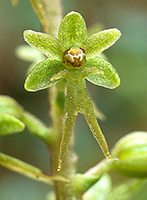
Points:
[[125, 107]]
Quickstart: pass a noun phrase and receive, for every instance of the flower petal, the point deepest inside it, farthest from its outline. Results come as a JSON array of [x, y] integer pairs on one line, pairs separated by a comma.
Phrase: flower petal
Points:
[[72, 30], [48, 45], [98, 42], [108, 79], [39, 77]]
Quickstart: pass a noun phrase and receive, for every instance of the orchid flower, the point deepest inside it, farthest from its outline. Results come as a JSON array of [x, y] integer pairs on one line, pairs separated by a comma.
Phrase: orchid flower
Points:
[[73, 57]]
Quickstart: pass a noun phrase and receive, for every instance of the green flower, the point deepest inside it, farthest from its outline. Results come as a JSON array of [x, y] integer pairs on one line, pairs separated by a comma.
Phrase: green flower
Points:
[[74, 57]]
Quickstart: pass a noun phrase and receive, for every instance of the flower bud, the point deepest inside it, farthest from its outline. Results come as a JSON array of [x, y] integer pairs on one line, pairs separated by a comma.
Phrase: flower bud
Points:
[[131, 151], [74, 58]]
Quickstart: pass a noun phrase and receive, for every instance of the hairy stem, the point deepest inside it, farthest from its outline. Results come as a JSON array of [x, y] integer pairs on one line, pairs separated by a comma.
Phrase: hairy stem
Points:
[[49, 13]]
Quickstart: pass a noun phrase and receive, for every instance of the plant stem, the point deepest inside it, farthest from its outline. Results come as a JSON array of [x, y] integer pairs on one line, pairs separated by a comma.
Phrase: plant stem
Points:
[[103, 167], [49, 13]]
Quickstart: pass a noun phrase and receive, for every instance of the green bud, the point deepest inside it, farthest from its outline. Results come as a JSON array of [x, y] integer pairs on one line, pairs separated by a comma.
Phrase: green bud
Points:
[[131, 151], [74, 58]]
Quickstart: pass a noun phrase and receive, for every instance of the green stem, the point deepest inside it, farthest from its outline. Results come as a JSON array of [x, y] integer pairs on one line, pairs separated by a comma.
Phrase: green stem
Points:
[[103, 167], [27, 170], [37, 128], [49, 13]]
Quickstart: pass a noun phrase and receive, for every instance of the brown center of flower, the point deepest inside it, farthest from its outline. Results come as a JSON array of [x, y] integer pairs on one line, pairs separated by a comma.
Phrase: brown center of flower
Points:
[[74, 58]]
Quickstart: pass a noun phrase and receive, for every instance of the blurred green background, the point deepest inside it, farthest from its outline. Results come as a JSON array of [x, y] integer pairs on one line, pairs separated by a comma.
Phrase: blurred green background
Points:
[[125, 107]]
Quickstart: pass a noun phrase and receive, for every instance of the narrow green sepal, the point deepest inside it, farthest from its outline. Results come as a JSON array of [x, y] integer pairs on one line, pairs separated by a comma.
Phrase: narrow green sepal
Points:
[[98, 42], [39, 77], [10, 125], [72, 30], [48, 45], [108, 79]]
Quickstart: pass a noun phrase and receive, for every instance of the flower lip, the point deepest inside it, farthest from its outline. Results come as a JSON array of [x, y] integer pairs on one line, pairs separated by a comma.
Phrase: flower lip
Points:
[[74, 58]]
